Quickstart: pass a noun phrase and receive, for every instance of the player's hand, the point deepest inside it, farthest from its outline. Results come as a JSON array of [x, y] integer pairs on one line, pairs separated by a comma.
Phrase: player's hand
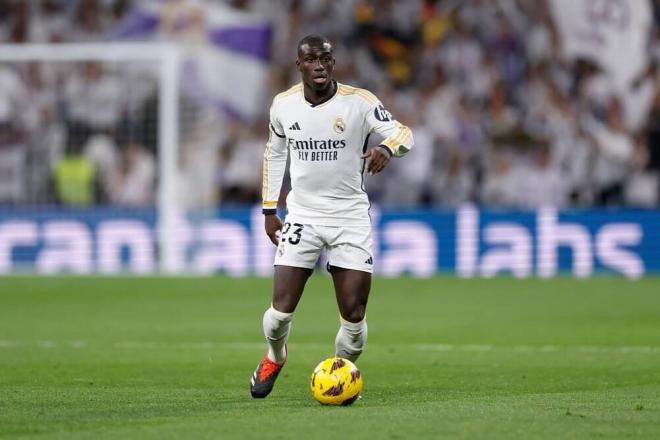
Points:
[[377, 159], [273, 227]]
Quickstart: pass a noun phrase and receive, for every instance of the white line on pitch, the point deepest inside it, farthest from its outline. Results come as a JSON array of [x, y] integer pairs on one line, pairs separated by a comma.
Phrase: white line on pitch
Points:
[[541, 348], [46, 344], [208, 345], [42, 344]]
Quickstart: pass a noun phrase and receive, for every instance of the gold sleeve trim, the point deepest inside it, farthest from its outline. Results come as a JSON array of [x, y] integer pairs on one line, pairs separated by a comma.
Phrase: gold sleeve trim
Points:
[[264, 187], [400, 138], [362, 93]]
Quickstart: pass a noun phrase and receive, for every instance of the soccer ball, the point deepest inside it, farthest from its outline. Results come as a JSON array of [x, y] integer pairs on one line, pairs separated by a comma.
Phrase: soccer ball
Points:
[[336, 381]]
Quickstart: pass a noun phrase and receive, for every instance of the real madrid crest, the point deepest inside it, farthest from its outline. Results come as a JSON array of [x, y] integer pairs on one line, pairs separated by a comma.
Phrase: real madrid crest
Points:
[[339, 126]]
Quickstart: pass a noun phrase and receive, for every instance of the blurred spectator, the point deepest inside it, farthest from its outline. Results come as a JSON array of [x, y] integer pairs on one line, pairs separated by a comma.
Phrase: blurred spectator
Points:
[[13, 147], [440, 104], [541, 183], [17, 28], [643, 186], [12, 95], [461, 55], [94, 101], [117, 10], [39, 117], [199, 158], [500, 186], [614, 155], [391, 32], [133, 183], [101, 151], [653, 138], [508, 48], [49, 23], [407, 183], [242, 156], [12, 164], [638, 103], [88, 21], [501, 113], [74, 179], [454, 183]]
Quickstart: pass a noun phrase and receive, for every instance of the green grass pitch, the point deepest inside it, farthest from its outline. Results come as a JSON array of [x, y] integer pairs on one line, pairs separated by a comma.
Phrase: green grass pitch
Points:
[[159, 358]]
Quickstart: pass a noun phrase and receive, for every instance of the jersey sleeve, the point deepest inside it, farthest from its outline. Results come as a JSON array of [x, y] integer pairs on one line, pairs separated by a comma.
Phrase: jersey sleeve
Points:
[[274, 165], [398, 138]]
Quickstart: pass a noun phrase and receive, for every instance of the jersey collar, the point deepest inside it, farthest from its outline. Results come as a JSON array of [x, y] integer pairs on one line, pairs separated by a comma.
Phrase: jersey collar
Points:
[[336, 84]]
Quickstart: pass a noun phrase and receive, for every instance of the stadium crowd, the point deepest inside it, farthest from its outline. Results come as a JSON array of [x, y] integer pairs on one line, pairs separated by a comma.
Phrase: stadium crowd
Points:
[[499, 117]]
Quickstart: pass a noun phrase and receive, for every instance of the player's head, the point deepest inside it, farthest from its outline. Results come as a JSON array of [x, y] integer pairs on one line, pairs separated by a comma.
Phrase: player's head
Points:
[[316, 61]]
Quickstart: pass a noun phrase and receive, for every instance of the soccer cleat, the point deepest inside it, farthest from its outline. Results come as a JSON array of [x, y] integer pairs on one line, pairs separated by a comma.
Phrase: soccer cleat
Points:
[[263, 378]]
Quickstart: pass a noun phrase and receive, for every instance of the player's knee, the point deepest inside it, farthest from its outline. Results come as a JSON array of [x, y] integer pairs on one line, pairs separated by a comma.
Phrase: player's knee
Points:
[[284, 300], [284, 304], [354, 314]]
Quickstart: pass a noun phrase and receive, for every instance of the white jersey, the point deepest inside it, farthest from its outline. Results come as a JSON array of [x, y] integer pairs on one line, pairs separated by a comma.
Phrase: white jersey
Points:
[[326, 143]]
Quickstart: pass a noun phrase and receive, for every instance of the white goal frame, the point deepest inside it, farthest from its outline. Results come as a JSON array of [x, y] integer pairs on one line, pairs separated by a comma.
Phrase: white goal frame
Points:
[[169, 58]]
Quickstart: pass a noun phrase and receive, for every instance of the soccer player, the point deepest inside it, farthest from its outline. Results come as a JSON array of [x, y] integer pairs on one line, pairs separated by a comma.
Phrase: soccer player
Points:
[[324, 127]]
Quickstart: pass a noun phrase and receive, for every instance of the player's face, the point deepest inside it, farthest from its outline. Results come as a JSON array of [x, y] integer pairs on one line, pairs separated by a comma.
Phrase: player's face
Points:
[[316, 63]]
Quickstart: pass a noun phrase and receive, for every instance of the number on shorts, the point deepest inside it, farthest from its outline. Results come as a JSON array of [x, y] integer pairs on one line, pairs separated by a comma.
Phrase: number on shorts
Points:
[[297, 232]]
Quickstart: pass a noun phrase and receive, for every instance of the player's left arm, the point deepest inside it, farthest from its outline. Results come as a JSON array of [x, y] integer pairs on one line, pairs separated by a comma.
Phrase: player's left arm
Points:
[[398, 138]]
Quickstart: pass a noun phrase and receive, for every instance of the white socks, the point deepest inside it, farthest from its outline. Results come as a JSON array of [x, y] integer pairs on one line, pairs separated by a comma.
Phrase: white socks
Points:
[[276, 329], [349, 343], [351, 339]]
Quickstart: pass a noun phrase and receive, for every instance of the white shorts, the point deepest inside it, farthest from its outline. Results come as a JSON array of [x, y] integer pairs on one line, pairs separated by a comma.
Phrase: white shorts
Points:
[[349, 247]]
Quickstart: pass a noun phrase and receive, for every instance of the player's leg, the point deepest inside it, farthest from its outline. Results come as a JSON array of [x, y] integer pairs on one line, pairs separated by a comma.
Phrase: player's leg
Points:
[[296, 256], [352, 289], [288, 286], [350, 262], [295, 259]]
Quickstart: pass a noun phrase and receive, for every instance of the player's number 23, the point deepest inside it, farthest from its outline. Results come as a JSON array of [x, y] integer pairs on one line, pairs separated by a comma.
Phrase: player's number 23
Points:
[[297, 232]]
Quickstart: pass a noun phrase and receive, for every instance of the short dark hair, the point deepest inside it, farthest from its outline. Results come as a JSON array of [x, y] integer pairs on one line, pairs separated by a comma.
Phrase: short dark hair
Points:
[[313, 40]]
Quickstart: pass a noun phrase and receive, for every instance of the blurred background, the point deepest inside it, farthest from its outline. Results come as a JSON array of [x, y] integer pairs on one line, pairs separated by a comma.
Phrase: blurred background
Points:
[[132, 132]]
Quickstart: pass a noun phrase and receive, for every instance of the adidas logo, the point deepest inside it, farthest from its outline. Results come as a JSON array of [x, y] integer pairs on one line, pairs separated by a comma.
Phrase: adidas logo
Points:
[[295, 126], [370, 260]]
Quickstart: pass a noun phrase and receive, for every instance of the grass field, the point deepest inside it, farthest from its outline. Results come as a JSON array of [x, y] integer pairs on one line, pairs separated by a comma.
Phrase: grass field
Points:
[[171, 358]]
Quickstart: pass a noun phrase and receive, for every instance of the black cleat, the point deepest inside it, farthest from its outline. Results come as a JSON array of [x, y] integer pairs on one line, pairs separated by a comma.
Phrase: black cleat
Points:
[[263, 379]]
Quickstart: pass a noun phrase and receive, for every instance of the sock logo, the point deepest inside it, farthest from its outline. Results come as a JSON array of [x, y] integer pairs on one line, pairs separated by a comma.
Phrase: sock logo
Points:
[[295, 126]]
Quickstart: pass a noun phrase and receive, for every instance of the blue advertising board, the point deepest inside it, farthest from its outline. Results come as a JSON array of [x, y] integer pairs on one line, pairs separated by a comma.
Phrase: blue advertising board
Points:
[[467, 242]]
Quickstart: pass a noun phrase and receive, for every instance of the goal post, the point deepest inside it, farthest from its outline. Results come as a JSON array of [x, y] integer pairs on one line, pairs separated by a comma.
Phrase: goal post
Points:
[[168, 60]]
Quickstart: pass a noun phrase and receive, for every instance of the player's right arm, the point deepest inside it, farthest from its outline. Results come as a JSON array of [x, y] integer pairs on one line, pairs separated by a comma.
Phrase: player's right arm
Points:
[[274, 166]]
